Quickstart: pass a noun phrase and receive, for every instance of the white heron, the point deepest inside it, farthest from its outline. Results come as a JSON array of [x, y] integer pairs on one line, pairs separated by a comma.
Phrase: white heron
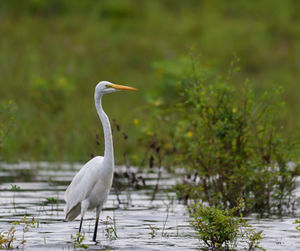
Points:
[[90, 186]]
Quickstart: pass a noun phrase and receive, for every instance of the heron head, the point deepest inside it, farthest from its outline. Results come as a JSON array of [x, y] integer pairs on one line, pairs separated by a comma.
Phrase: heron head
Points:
[[105, 87]]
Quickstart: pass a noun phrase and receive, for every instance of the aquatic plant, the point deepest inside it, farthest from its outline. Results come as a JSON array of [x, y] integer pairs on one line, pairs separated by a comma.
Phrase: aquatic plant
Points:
[[252, 237], [156, 142], [163, 233], [8, 239], [110, 230], [219, 228], [153, 231], [129, 179], [77, 241], [297, 221], [51, 200], [14, 189]]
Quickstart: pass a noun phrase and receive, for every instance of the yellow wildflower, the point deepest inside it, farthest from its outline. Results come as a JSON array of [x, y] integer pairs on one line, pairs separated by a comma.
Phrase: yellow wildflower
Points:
[[190, 134]]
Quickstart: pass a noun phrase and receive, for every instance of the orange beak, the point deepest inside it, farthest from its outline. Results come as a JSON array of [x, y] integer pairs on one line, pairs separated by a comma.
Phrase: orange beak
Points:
[[123, 87]]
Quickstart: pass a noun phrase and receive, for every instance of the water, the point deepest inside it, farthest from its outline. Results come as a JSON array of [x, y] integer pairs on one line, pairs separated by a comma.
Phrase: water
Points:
[[133, 220]]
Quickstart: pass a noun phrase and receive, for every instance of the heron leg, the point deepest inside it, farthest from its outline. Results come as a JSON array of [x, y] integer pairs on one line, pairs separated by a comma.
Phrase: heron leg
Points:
[[84, 206], [80, 225], [96, 223]]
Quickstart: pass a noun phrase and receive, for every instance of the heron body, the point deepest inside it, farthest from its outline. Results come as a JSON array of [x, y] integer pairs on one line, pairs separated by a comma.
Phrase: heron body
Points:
[[90, 187], [85, 192]]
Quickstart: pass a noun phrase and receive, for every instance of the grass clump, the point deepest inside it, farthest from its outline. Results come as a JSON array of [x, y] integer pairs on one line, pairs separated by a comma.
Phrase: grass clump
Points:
[[220, 229]]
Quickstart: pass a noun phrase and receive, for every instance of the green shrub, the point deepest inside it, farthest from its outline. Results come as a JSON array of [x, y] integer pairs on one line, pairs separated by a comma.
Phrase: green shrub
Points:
[[220, 229], [226, 138]]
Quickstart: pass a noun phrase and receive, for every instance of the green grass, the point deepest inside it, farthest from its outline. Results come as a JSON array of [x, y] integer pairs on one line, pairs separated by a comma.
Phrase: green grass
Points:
[[84, 42]]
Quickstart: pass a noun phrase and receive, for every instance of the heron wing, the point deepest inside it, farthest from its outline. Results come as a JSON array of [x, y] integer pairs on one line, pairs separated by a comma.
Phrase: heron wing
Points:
[[82, 184]]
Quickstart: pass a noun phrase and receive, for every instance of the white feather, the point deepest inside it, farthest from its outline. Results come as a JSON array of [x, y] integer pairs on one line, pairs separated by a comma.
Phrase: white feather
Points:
[[83, 184]]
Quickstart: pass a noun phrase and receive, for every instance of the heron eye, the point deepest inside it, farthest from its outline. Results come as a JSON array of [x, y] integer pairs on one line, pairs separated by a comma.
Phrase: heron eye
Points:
[[108, 86]]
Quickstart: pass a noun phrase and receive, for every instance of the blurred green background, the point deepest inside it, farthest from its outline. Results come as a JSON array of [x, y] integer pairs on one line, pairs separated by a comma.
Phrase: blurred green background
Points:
[[53, 53]]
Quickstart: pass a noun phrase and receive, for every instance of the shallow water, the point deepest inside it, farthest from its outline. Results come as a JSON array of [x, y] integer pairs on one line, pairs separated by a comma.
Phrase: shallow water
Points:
[[40, 181]]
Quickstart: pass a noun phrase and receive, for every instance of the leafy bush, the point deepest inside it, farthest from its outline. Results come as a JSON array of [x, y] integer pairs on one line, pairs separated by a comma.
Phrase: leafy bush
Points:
[[227, 140], [220, 228]]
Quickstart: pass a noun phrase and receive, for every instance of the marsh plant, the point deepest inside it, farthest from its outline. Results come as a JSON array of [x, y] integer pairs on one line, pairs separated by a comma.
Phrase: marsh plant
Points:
[[128, 179], [225, 137], [77, 241], [163, 233], [110, 230], [155, 142], [297, 221], [52, 201], [8, 239], [153, 231], [14, 189], [221, 229]]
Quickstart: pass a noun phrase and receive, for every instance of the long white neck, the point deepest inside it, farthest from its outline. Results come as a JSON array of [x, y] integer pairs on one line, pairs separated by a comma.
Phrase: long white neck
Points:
[[109, 149]]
